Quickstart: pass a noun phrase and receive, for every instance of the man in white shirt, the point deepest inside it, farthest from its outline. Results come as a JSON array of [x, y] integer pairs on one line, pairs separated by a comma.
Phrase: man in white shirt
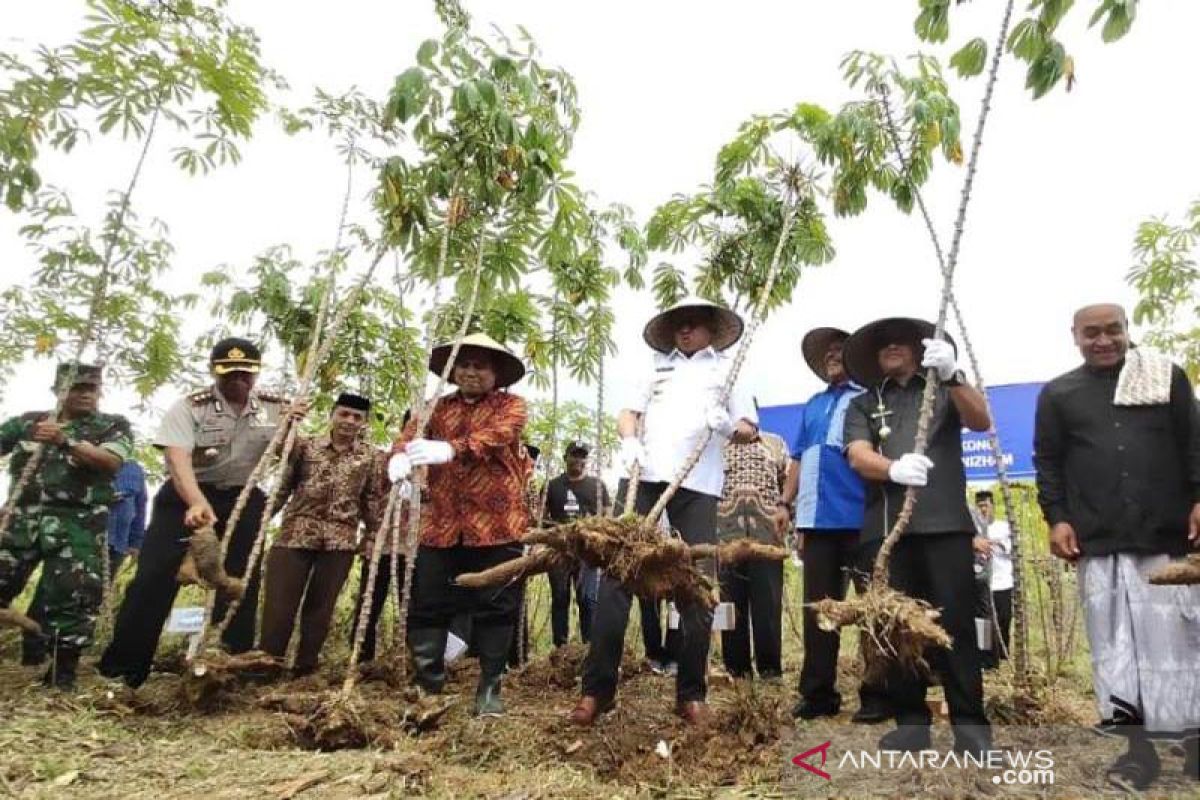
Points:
[[999, 545], [678, 403]]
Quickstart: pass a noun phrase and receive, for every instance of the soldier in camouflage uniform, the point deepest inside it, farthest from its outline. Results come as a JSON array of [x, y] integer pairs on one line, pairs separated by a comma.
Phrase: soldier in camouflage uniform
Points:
[[60, 519]]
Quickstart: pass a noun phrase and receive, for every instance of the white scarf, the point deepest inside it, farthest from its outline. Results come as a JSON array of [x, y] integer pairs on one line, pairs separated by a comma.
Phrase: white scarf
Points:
[[1145, 379]]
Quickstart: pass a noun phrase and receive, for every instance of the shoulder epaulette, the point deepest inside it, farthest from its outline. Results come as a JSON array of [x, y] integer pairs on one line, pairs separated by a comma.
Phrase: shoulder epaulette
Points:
[[273, 397], [201, 397], [34, 416]]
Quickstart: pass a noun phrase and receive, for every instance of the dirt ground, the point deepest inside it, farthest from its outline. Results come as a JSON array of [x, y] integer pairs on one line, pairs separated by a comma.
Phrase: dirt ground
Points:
[[104, 741]]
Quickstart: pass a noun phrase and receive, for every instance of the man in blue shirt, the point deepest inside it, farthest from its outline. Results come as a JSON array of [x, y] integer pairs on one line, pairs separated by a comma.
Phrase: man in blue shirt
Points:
[[829, 513], [127, 519]]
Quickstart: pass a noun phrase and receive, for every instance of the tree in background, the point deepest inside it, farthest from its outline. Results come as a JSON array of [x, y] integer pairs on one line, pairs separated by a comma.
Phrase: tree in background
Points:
[[1168, 284], [136, 70], [1033, 40]]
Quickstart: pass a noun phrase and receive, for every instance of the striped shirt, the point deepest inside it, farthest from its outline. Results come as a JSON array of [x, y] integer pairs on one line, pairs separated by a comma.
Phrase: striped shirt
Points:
[[831, 495]]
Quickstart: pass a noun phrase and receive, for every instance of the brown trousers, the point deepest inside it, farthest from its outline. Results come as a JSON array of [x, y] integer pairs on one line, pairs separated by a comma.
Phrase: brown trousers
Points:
[[316, 576]]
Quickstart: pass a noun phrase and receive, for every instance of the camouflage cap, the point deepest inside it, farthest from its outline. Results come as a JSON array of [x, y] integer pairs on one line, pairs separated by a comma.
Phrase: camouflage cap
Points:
[[77, 374]]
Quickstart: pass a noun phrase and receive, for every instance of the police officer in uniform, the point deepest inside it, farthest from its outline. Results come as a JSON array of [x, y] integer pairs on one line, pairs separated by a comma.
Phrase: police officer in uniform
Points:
[[60, 518], [211, 440]]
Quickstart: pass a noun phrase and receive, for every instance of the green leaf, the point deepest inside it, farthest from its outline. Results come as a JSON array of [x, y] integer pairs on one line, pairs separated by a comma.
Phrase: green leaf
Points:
[[1053, 12], [933, 23], [969, 60], [1047, 70], [487, 92], [1027, 40], [1120, 20], [426, 52]]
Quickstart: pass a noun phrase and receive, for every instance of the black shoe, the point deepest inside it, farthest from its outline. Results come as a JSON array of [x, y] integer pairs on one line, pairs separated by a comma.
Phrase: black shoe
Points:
[[493, 642], [974, 740], [871, 714], [812, 709], [428, 648], [1136, 768], [907, 739], [61, 674]]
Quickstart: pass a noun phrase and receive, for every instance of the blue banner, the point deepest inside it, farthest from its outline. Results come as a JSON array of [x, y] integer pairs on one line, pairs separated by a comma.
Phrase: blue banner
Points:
[[1013, 406]]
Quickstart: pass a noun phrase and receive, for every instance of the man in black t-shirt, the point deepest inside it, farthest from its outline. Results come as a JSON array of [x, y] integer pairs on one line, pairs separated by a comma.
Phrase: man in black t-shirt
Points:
[[933, 560], [572, 495]]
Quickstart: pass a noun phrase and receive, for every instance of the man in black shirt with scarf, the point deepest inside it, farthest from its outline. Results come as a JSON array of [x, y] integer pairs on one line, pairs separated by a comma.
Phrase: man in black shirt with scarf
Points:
[[1117, 451], [934, 559]]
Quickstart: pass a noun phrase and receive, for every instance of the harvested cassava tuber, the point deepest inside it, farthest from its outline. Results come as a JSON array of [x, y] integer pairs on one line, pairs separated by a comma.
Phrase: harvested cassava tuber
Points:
[[629, 549], [737, 551], [897, 627], [186, 574], [543, 559], [1178, 573], [202, 564], [13, 618]]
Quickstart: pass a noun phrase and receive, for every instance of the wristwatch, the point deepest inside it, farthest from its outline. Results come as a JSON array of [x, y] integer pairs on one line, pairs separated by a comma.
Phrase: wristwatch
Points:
[[959, 378]]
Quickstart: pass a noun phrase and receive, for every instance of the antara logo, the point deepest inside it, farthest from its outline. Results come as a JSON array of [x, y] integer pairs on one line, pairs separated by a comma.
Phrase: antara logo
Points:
[[802, 760]]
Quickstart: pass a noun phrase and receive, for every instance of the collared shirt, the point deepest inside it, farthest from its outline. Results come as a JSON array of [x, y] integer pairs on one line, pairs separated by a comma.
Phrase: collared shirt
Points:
[[942, 504], [567, 499], [1000, 535], [1124, 477], [332, 492], [60, 481], [755, 473], [478, 499], [225, 446], [831, 494], [674, 399], [127, 518]]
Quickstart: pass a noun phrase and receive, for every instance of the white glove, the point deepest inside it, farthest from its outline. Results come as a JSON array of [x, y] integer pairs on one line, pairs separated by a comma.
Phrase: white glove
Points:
[[910, 469], [429, 452], [719, 422], [939, 355], [399, 467], [631, 453]]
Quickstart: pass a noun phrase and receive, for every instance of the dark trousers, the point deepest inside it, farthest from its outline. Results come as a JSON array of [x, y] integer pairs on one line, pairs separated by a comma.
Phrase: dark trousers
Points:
[[832, 560], [436, 599], [694, 515], [562, 582], [1002, 601], [939, 568], [518, 646], [33, 647], [756, 590], [383, 581], [151, 593], [293, 575]]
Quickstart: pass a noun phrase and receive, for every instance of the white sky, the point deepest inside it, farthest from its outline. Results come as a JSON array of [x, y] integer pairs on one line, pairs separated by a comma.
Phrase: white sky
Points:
[[1062, 184]]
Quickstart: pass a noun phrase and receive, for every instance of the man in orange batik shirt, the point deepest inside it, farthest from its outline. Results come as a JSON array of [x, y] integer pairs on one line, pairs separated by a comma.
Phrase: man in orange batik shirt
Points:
[[473, 515]]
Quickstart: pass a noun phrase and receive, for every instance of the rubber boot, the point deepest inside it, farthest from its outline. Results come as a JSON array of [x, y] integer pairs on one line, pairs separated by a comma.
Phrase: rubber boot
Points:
[[61, 674], [428, 649], [33, 650], [493, 642]]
